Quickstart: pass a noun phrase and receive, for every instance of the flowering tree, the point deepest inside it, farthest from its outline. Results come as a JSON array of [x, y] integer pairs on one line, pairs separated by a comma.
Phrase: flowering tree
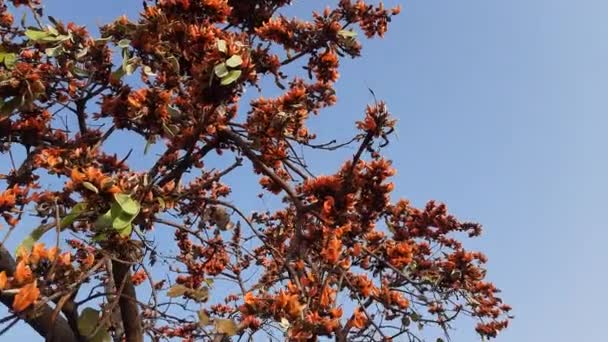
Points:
[[338, 259]]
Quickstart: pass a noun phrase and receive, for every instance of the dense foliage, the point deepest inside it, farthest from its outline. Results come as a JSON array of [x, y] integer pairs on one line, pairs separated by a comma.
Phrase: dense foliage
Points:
[[337, 260]]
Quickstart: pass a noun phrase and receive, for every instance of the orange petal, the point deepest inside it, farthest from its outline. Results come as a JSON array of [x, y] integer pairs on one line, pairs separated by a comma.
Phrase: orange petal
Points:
[[3, 280], [26, 296], [23, 272]]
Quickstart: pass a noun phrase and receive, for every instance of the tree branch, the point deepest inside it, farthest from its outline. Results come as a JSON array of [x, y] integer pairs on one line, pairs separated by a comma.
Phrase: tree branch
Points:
[[42, 322], [129, 310]]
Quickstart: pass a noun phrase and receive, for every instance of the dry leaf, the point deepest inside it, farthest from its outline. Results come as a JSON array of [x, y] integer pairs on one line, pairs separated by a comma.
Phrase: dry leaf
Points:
[[177, 290], [203, 318], [226, 326]]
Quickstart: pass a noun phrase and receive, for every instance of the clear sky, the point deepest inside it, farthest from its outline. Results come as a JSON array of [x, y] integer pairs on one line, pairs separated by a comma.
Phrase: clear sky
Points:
[[502, 115]]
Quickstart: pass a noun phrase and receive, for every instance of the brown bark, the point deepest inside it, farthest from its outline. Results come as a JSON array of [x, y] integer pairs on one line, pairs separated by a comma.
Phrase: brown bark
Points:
[[129, 310], [42, 323]]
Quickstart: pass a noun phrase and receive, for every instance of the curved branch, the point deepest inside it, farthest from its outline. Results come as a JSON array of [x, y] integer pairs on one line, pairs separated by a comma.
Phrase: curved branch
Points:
[[255, 159]]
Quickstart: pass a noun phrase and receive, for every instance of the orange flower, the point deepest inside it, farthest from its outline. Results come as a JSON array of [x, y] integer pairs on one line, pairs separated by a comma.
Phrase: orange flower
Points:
[[137, 98], [401, 301], [3, 280], [250, 299], [90, 259], [52, 253], [77, 176], [139, 277], [26, 296], [400, 254], [65, 258], [23, 272], [365, 286], [299, 265], [289, 303], [8, 198], [331, 253], [356, 250], [38, 252], [327, 296], [328, 205], [330, 324], [294, 308], [359, 319], [336, 312]]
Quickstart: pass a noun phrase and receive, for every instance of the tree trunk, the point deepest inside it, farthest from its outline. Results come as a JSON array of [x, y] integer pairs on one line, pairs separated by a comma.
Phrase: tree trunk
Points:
[[129, 310]]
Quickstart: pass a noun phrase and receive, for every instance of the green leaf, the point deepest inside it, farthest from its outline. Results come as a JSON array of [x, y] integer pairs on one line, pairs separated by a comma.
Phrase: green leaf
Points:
[[52, 30], [90, 186], [60, 38], [125, 58], [234, 61], [148, 71], [87, 321], [36, 35], [54, 51], [124, 43], [121, 222], [126, 231], [27, 243], [73, 215], [231, 77], [8, 107], [87, 324], [168, 130], [161, 203], [221, 45], [149, 143], [439, 339], [120, 216], [127, 204], [130, 68], [103, 39], [221, 70], [118, 73], [174, 112], [347, 33], [9, 59], [104, 221], [175, 63], [78, 71], [102, 336]]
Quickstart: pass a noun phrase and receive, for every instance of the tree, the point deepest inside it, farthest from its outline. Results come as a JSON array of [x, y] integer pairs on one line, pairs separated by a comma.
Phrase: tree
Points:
[[337, 259]]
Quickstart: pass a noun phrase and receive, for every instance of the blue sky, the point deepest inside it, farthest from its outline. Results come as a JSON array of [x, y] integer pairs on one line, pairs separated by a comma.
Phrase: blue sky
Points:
[[502, 115]]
